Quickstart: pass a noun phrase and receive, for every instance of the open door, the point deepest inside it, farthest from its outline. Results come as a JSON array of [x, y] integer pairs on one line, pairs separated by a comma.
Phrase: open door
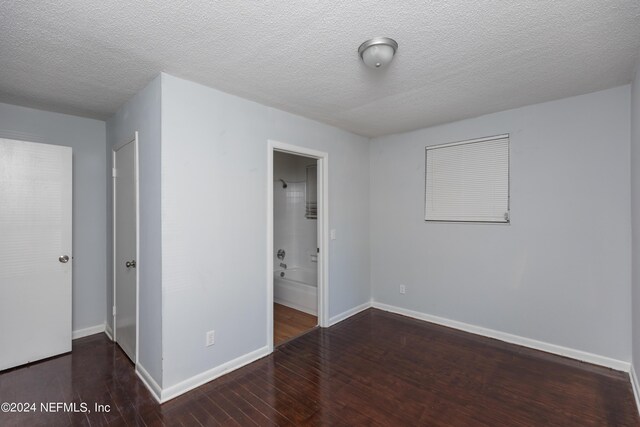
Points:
[[316, 209], [35, 251]]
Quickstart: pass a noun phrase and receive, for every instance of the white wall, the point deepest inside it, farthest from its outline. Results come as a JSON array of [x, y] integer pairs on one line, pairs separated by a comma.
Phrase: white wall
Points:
[[560, 273], [142, 113], [635, 215], [87, 138], [214, 167], [292, 231]]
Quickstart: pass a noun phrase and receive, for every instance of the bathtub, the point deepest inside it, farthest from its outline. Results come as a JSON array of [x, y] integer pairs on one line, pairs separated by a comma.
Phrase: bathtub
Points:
[[298, 289]]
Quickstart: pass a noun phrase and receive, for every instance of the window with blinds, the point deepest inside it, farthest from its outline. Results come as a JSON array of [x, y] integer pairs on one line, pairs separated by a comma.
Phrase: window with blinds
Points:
[[468, 181]]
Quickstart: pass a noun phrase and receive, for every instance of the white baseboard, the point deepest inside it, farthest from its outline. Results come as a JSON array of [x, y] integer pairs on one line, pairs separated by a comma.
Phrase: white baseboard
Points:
[[164, 395], [149, 382], [635, 385], [584, 356], [204, 377], [108, 331], [352, 311], [92, 330]]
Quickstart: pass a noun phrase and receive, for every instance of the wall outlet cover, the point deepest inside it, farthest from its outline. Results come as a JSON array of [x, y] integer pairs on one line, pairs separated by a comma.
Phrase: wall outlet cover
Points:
[[210, 338]]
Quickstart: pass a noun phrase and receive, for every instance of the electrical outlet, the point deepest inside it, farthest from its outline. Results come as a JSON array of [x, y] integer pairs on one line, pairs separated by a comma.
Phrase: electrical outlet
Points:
[[403, 289], [210, 338]]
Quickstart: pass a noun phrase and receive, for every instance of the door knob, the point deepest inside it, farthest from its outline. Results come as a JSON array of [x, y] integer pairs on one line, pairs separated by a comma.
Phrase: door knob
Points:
[[130, 264], [63, 259]]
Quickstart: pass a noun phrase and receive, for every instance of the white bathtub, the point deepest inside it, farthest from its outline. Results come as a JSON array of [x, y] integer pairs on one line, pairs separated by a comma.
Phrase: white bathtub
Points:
[[297, 289]]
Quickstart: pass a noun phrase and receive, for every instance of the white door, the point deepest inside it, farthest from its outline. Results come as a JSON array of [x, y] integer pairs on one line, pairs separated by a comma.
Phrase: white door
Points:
[[35, 251], [125, 207]]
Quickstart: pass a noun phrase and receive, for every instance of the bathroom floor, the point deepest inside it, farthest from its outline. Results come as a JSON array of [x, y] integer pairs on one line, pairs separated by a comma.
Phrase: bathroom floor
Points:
[[289, 323]]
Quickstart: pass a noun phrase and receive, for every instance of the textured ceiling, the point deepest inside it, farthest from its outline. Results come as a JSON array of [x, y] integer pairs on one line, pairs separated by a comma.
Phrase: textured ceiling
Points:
[[456, 59]]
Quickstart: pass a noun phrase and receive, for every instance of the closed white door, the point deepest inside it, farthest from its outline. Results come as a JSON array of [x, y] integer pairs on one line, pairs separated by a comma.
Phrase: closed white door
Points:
[[35, 251], [125, 248]]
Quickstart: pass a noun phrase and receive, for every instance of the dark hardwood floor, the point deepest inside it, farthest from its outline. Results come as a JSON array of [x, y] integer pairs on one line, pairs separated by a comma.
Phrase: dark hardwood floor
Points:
[[375, 368], [289, 323]]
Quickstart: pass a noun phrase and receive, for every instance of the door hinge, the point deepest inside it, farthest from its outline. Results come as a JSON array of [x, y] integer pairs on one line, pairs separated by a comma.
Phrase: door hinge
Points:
[[317, 250], [114, 172], [113, 310]]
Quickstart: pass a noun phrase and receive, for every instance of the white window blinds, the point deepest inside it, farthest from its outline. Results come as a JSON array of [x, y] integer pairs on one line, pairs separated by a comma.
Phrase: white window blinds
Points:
[[468, 181]]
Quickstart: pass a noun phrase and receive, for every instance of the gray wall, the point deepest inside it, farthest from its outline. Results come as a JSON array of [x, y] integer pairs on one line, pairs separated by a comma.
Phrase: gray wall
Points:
[[635, 214], [560, 273], [142, 113], [214, 167], [87, 138]]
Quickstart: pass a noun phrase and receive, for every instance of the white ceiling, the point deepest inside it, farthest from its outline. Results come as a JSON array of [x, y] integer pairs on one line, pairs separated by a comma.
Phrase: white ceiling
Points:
[[456, 59]]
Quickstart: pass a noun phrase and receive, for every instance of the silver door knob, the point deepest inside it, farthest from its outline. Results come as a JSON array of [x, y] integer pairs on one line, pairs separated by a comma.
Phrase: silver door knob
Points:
[[63, 259], [131, 263]]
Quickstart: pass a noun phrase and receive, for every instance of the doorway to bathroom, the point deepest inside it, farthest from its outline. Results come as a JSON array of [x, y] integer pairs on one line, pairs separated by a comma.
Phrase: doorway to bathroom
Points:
[[296, 250]]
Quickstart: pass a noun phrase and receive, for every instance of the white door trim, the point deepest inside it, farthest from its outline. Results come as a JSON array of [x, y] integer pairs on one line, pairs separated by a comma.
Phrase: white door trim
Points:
[[323, 230], [137, 193]]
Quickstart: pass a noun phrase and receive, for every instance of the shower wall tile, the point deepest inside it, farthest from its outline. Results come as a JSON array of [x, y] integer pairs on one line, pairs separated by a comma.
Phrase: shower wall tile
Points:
[[293, 232]]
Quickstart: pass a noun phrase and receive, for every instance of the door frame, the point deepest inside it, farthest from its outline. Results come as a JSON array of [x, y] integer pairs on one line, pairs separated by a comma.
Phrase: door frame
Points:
[[323, 230], [137, 198]]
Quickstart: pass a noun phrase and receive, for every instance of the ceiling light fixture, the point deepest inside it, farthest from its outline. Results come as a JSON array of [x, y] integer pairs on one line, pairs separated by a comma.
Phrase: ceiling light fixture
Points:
[[378, 52]]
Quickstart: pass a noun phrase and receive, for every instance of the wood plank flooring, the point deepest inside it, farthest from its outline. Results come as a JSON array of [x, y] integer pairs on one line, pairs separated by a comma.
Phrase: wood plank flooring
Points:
[[375, 368], [289, 323]]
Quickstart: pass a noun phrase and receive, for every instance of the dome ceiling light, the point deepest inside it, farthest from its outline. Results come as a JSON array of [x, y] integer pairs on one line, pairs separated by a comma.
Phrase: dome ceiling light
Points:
[[378, 52]]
